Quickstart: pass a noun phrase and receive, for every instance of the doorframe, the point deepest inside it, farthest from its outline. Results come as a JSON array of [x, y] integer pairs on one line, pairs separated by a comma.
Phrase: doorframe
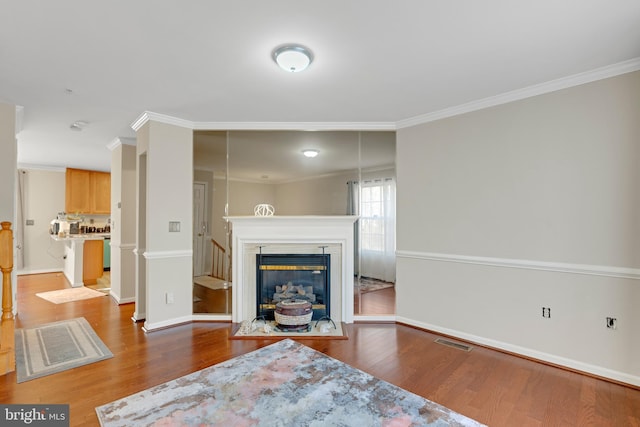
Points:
[[207, 232]]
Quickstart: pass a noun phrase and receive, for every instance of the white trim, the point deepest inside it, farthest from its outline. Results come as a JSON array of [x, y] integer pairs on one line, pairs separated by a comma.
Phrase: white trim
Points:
[[201, 317], [149, 327], [601, 73], [119, 300], [308, 126], [527, 92], [593, 270], [120, 141], [374, 318], [124, 246], [168, 254], [138, 317], [25, 272], [524, 351], [311, 126], [41, 167]]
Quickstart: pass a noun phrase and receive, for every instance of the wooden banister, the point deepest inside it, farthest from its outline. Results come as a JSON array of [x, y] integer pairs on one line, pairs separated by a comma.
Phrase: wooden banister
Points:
[[221, 259], [218, 263], [7, 350]]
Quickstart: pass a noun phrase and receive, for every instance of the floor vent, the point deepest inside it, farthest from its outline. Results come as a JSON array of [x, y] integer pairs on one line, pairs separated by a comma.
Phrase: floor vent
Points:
[[459, 346]]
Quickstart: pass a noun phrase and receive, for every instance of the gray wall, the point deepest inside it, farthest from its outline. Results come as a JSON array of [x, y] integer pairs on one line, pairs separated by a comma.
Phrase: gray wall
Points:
[[8, 159], [529, 204]]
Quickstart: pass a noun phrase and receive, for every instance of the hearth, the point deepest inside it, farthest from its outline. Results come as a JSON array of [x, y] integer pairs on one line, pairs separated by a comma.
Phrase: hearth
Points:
[[287, 277]]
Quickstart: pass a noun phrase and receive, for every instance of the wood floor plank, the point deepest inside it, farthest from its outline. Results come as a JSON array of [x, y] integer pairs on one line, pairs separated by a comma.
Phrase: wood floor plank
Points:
[[494, 388]]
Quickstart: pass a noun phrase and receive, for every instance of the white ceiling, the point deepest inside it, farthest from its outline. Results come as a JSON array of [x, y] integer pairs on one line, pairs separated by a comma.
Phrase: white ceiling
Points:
[[376, 61]]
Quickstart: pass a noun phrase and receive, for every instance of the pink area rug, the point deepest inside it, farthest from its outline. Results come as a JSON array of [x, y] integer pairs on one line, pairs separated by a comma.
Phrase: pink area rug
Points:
[[283, 384]]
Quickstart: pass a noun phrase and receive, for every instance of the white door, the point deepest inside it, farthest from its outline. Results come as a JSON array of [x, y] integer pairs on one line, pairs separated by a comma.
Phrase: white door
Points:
[[199, 227]]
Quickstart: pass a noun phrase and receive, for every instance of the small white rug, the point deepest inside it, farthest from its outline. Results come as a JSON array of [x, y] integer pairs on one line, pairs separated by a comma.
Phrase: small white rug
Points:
[[69, 295]]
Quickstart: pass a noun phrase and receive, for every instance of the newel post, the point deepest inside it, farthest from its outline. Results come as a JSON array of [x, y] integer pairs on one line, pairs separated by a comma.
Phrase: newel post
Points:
[[6, 264]]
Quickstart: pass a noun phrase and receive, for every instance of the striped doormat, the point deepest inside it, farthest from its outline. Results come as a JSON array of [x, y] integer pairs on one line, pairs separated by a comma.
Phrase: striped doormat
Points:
[[56, 347]]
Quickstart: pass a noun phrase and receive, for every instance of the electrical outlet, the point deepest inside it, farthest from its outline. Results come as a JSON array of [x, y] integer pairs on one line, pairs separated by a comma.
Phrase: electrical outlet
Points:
[[612, 323], [174, 226], [546, 312], [169, 297]]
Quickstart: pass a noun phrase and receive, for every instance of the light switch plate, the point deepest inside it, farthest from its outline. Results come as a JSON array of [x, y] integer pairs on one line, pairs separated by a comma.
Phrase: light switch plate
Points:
[[174, 226]]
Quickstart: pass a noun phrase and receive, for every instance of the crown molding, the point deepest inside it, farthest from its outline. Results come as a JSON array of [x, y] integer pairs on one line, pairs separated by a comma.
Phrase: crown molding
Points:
[[161, 118], [31, 166], [302, 126], [308, 126], [527, 92], [120, 141], [492, 101]]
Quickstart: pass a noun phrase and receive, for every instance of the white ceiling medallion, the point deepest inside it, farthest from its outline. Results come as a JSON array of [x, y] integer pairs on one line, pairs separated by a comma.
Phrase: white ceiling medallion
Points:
[[292, 58]]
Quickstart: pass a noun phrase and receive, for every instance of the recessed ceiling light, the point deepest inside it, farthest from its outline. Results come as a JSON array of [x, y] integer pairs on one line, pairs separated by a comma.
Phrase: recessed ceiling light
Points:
[[310, 153], [292, 58]]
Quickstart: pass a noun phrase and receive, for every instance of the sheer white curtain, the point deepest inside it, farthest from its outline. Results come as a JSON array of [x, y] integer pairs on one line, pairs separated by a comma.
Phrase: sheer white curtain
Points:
[[378, 229]]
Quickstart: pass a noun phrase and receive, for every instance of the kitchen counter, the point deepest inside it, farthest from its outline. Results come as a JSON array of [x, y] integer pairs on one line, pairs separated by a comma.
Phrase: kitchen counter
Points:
[[74, 254], [88, 236]]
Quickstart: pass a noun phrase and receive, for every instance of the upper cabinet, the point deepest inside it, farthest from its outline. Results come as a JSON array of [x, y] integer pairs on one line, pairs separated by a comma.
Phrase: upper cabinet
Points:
[[101, 190], [88, 192]]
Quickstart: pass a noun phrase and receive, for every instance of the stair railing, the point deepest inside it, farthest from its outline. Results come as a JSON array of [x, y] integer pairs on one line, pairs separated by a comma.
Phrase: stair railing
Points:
[[7, 345]]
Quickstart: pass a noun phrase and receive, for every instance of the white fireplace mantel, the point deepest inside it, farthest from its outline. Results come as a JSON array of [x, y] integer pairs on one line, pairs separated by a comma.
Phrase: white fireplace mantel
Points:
[[250, 232]]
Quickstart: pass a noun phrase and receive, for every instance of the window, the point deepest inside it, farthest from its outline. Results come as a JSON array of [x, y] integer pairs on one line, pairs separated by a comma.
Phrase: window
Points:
[[377, 229]]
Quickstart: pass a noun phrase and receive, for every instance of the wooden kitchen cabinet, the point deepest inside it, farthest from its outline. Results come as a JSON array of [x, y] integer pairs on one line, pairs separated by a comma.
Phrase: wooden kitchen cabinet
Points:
[[87, 192], [101, 193], [78, 191], [92, 267]]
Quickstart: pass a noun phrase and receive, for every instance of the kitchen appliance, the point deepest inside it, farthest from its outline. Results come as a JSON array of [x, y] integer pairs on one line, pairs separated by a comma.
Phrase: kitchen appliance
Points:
[[74, 227], [54, 227]]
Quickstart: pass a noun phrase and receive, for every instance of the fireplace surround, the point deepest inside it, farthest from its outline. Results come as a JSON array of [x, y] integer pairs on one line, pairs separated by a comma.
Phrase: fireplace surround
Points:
[[311, 234]]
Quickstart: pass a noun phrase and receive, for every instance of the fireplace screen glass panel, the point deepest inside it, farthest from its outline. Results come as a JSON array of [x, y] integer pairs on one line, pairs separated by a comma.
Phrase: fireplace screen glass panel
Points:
[[299, 276]]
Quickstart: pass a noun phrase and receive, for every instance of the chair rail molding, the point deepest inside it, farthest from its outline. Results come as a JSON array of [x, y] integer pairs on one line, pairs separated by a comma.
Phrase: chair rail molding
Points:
[[593, 270]]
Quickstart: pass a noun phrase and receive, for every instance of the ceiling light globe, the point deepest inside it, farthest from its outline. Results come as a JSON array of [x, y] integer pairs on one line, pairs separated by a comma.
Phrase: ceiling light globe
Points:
[[310, 153], [292, 58]]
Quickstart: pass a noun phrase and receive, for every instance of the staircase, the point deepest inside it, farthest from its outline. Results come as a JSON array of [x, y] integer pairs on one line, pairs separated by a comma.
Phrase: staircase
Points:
[[7, 341]]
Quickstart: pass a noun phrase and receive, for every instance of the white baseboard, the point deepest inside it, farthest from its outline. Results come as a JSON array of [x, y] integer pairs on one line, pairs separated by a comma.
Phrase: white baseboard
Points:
[[211, 317], [149, 327], [26, 272], [121, 301]]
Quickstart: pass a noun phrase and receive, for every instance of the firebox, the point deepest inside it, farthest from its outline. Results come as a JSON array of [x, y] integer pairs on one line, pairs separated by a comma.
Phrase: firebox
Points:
[[292, 276]]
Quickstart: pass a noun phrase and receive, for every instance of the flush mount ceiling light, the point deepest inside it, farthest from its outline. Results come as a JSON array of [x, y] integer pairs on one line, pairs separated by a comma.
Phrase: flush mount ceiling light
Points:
[[310, 153], [78, 125], [292, 58]]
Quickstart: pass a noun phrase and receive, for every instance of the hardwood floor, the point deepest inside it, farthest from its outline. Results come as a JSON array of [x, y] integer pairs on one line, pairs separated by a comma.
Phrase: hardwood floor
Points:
[[382, 302], [489, 386]]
